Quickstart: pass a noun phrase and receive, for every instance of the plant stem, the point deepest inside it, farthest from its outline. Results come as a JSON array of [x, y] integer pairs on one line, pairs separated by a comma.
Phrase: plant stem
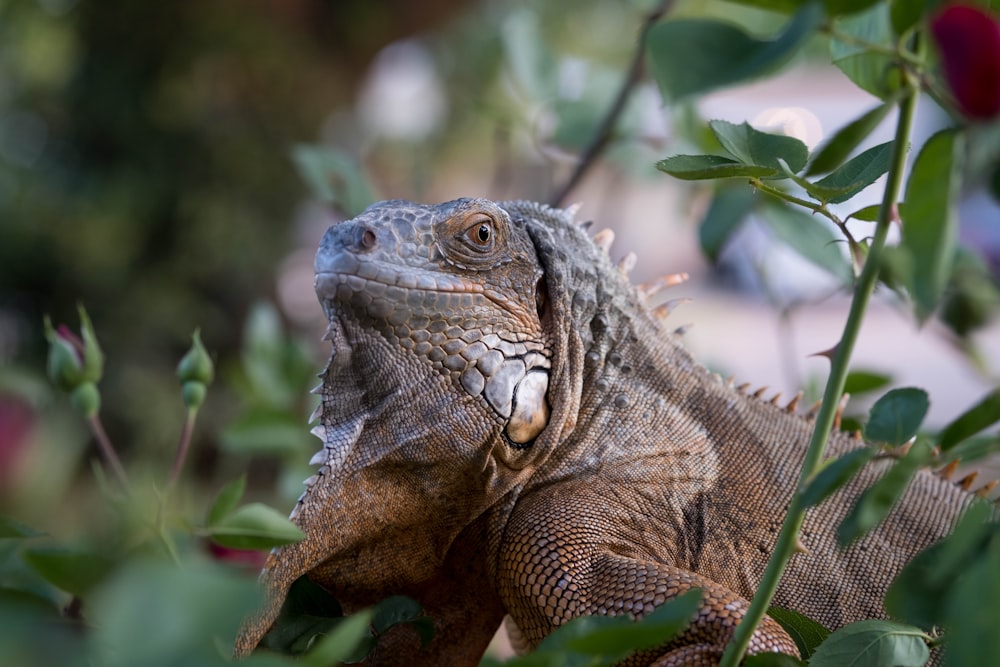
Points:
[[603, 133], [108, 451], [864, 287], [182, 446]]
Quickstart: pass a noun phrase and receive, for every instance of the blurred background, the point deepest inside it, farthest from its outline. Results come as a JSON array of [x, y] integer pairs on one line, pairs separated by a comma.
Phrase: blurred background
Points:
[[173, 165]]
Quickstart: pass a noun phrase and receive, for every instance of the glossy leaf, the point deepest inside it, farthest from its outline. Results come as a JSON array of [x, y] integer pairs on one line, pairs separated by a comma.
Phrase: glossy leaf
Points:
[[701, 167], [837, 149], [869, 70], [873, 643], [348, 641], [772, 660], [930, 224], [920, 591], [896, 416], [227, 500], [308, 612], [861, 382], [805, 632], [973, 615], [858, 173], [727, 211], [815, 191], [982, 415], [255, 526], [877, 501], [753, 147], [835, 474], [867, 214], [73, 571], [726, 54], [809, 237]]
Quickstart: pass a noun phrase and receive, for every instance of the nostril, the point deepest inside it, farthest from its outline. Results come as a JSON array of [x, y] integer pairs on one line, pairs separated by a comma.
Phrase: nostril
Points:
[[366, 238]]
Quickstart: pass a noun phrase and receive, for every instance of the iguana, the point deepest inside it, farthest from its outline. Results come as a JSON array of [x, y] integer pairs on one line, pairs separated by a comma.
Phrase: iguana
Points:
[[509, 430]]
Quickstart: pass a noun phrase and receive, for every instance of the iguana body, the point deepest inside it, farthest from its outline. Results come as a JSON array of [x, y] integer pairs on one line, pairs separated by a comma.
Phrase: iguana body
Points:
[[508, 429]]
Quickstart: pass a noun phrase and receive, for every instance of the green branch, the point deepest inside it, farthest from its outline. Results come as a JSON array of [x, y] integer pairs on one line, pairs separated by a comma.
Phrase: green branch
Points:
[[863, 289]]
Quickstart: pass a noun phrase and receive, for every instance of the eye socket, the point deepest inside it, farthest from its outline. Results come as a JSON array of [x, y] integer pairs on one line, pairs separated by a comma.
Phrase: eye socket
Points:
[[480, 231]]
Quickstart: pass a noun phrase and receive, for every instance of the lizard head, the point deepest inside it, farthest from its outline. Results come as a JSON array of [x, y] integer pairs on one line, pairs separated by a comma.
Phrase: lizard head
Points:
[[449, 294]]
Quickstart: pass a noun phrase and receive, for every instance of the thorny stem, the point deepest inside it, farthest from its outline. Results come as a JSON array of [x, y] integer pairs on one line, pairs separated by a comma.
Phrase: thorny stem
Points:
[[182, 446], [607, 126], [108, 451], [865, 285]]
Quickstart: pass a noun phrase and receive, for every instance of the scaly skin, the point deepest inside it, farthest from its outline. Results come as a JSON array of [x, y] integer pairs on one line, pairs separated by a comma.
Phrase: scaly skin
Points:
[[508, 430]]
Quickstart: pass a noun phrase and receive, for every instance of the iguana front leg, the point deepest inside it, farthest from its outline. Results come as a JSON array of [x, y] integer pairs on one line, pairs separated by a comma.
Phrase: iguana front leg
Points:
[[556, 566]]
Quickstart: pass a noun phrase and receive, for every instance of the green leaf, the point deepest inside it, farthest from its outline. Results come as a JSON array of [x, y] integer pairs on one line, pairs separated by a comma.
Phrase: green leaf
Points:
[[920, 591], [873, 643], [156, 614], [227, 500], [930, 224], [307, 612], [833, 7], [835, 474], [842, 144], [350, 640], [772, 660], [753, 147], [862, 382], [815, 190], [877, 501], [858, 173], [729, 208], [726, 54], [73, 571], [973, 449], [626, 635], [868, 69], [972, 297], [16, 530], [973, 613], [897, 415], [810, 238], [255, 526], [395, 610], [701, 167], [805, 632], [866, 214], [333, 177], [983, 414]]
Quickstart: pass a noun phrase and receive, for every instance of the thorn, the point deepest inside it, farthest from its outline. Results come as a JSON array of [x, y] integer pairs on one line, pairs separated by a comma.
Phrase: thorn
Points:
[[627, 263], [654, 287], [319, 458], [730, 380], [793, 404], [799, 546], [743, 388], [759, 392], [946, 472], [604, 238], [826, 353], [681, 330], [573, 209], [315, 413], [663, 311], [777, 397], [813, 410], [856, 435], [984, 490], [839, 415], [585, 225], [328, 334], [318, 389], [966, 482], [319, 432]]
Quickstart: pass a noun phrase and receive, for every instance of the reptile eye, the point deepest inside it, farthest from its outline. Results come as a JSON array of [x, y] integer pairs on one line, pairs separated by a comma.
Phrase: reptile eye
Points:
[[480, 232]]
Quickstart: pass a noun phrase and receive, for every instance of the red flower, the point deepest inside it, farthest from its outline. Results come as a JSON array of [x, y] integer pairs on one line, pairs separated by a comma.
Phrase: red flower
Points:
[[968, 38]]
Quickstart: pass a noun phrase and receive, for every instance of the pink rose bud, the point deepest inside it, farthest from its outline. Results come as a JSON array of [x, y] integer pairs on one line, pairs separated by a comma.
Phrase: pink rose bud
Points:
[[968, 38]]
